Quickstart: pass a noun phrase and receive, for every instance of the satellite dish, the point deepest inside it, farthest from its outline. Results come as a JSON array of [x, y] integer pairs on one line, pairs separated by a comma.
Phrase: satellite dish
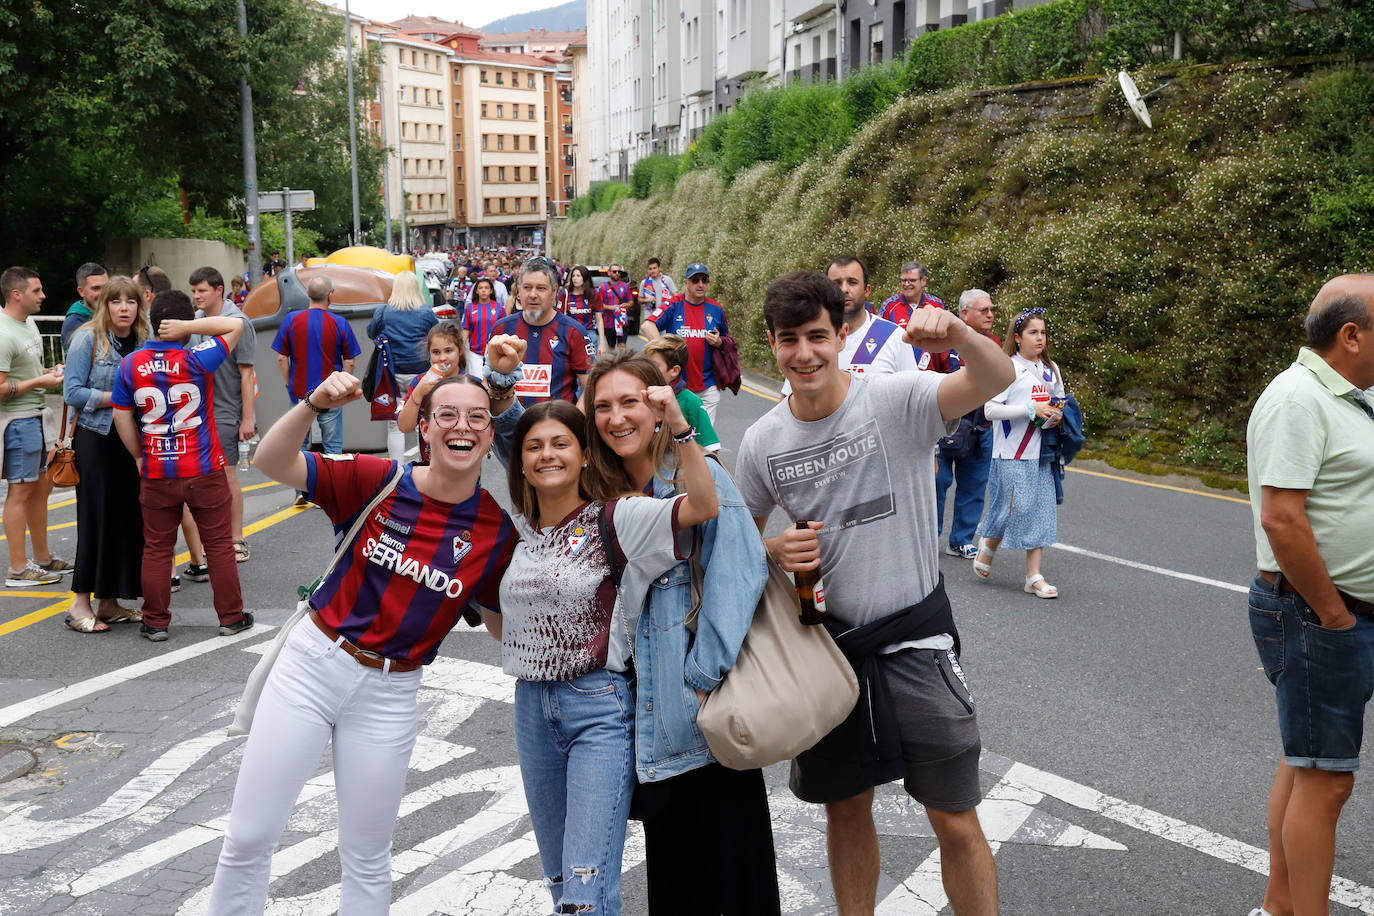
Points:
[[1133, 98]]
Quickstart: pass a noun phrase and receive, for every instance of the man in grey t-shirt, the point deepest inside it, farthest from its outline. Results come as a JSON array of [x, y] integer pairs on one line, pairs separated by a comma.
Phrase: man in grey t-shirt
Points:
[[837, 453], [234, 395]]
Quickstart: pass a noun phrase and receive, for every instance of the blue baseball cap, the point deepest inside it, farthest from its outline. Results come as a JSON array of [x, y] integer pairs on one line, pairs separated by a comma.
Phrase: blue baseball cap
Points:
[[696, 267]]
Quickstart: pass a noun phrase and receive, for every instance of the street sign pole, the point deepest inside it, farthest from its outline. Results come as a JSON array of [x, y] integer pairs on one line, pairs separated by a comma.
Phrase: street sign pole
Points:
[[290, 247], [285, 201]]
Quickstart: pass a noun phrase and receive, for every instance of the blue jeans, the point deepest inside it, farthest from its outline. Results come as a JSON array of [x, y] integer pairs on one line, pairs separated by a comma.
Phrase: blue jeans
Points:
[[970, 478], [330, 423], [576, 745], [1322, 678]]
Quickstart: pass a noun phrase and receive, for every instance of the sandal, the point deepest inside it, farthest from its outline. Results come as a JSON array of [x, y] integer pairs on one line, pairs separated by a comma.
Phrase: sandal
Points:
[[1037, 586], [122, 615], [983, 569], [90, 624], [241, 552]]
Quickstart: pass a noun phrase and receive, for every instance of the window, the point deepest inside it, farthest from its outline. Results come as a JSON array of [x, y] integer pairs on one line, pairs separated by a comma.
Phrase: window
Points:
[[500, 110], [514, 78], [484, 109], [414, 95], [546, 173], [484, 141], [459, 173], [486, 173], [503, 205], [500, 141], [431, 165], [500, 78], [429, 131], [500, 173], [458, 108], [457, 142], [529, 80], [457, 75], [531, 114], [517, 205], [438, 97], [412, 58], [486, 204], [534, 204], [515, 139], [427, 97]]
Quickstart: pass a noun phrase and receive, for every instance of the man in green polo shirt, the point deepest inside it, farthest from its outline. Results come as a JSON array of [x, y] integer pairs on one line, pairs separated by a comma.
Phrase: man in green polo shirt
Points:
[[1311, 465]]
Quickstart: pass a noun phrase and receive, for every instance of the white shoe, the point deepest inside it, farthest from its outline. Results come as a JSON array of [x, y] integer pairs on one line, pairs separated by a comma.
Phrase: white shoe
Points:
[[1260, 911]]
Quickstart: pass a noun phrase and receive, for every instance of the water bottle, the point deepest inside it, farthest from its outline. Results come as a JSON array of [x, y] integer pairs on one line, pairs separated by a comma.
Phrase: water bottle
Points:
[[244, 464]]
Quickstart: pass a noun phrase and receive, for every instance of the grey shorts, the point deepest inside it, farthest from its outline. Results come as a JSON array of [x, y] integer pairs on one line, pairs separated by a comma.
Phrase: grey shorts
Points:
[[939, 733], [227, 432]]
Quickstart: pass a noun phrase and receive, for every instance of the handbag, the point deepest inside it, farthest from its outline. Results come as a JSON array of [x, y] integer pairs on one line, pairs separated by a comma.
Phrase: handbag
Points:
[[790, 685], [252, 689], [62, 459], [379, 382]]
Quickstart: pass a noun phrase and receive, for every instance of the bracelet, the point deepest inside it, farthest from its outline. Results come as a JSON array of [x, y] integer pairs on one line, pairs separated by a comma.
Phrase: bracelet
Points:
[[311, 404], [504, 379], [687, 435]]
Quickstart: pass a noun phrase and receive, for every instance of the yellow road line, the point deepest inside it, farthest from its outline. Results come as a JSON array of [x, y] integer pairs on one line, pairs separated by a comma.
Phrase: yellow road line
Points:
[[1161, 486], [256, 486], [766, 395], [65, 604]]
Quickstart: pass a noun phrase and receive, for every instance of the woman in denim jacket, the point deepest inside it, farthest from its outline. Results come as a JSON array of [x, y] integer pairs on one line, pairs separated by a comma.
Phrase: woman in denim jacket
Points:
[[700, 817], [109, 522]]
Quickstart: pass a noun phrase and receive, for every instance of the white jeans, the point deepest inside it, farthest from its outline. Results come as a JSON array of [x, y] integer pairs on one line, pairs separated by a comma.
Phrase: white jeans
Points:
[[395, 439], [710, 399], [316, 692]]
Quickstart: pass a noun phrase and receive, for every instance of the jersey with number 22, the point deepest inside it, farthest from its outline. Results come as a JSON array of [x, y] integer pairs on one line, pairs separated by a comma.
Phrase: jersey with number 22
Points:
[[171, 391]]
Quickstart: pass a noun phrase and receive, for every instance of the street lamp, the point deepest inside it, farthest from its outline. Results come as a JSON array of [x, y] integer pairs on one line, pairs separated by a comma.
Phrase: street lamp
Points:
[[250, 162], [352, 122], [404, 246]]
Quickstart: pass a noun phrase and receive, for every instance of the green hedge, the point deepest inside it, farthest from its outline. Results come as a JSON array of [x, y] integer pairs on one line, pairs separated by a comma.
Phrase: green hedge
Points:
[[1177, 263]]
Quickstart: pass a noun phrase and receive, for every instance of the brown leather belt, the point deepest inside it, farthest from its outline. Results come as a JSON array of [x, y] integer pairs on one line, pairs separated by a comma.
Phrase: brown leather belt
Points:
[[364, 657], [1354, 605]]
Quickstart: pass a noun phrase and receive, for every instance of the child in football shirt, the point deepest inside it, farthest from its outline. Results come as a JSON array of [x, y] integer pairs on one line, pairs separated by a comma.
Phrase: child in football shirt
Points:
[[431, 550], [669, 353], [164, 412], [448, 356]]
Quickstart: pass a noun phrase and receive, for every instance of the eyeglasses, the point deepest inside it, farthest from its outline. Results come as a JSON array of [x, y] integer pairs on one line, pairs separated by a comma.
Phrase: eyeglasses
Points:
[[448, 417], [910, 282]]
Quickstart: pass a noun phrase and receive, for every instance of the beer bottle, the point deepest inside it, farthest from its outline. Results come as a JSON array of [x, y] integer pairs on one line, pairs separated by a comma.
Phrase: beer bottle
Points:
[[810, 590]]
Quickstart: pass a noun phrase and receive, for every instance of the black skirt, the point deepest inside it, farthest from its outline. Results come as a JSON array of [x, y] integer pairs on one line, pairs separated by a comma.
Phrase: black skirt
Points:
[[109, 522]]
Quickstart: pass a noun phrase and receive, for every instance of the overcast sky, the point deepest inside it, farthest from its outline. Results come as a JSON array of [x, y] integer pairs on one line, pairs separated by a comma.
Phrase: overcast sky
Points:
[[475, 13]]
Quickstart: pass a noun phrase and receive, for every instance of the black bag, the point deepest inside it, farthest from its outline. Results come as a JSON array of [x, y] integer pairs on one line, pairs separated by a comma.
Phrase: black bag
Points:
[[962, 442]]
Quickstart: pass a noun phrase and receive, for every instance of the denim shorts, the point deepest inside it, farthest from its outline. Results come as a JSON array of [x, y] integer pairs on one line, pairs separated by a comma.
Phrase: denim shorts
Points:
[[1323, 678], [24, 458]]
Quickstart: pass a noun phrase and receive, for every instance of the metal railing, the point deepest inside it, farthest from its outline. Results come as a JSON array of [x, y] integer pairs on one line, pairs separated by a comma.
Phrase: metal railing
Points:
[[53, 351]]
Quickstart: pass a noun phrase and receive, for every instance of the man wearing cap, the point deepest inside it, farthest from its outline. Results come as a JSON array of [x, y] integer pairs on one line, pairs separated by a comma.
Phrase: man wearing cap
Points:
[[701, 322]]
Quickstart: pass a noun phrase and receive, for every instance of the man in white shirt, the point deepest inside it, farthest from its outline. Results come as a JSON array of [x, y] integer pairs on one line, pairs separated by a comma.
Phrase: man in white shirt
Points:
[[656, 289]]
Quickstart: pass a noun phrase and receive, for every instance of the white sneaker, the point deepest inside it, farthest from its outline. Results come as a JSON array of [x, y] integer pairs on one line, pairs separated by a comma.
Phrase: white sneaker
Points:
[[31, 575], [1260, 911]]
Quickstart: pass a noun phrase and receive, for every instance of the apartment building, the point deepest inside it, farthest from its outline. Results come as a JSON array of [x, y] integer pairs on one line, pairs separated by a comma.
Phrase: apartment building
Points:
[[536, 42], [659, 70], [501, 159], [415, 74]]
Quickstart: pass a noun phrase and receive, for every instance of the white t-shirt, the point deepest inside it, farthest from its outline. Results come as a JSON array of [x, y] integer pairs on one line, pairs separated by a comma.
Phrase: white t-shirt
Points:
[[1017, 436], [879, 357]]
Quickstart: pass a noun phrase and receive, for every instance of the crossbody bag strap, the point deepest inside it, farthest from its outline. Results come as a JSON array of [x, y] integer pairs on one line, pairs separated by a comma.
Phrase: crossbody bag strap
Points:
[[306, 591]]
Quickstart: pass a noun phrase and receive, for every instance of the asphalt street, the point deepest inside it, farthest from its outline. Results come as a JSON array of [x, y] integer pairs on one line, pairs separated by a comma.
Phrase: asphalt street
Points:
[[1129, 736]]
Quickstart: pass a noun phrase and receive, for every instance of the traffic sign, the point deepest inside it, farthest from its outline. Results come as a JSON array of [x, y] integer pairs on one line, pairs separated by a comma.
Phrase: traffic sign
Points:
[[539, 236], [274, 201]]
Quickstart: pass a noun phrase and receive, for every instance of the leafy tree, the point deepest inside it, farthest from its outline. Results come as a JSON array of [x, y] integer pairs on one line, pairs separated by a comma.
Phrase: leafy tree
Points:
[[120, 113]]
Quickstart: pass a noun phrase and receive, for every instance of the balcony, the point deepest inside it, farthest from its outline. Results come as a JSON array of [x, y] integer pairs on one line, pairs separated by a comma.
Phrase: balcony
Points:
[[567, 130], [568, 162]]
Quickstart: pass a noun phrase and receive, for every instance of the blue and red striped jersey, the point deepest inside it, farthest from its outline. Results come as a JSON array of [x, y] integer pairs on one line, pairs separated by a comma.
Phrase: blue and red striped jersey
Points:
[[556, 353], [316, 341], [172, 390], [898, 311], [613, 297], [417, 564], [581, 309], [691, 322], [480, 320]]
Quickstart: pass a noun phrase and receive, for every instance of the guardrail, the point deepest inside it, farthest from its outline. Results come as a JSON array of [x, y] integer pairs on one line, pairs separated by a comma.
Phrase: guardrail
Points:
[[53, 351]]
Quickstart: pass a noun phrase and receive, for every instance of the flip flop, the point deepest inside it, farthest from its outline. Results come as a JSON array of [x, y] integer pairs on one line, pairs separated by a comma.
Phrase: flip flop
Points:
[[86, 624], [123, 615]]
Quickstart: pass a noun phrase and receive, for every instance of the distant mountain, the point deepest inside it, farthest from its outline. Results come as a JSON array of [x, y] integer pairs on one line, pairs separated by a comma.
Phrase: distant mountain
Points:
[[565, 17]]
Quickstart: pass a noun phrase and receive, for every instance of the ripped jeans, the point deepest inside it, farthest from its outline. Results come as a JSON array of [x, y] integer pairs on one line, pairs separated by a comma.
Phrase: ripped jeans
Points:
[[576, 744]]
